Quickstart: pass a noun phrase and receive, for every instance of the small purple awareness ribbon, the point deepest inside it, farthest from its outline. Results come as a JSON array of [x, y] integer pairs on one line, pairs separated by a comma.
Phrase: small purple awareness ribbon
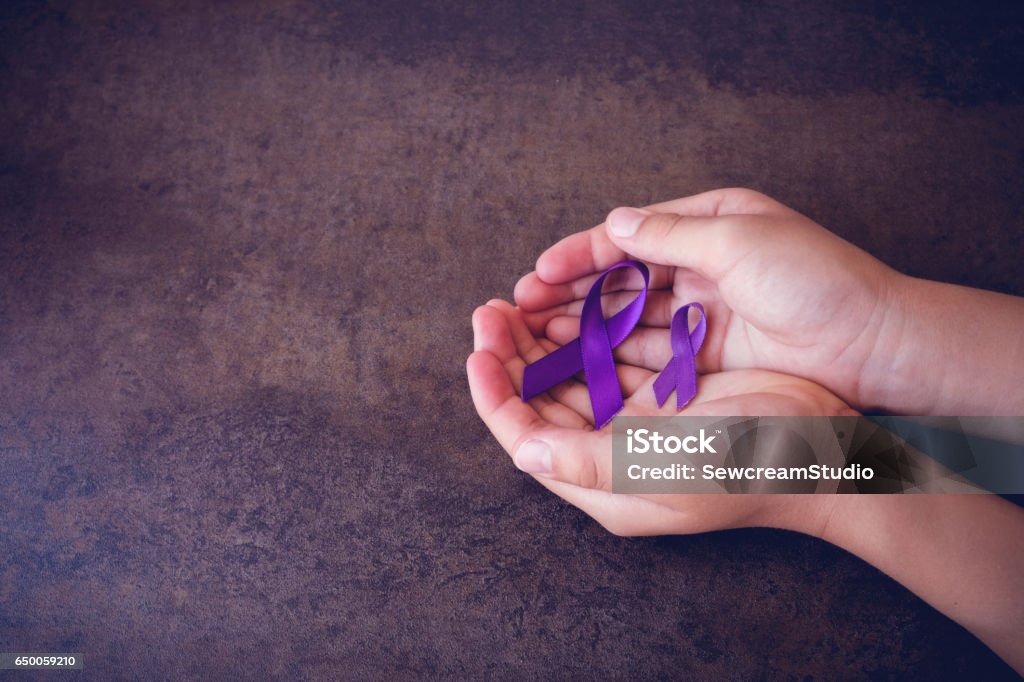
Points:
[[591, 351], [680, 373]]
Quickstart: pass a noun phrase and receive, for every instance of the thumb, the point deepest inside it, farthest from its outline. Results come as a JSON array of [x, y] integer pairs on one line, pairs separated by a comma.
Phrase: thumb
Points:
[[708, 245], [573, 456]]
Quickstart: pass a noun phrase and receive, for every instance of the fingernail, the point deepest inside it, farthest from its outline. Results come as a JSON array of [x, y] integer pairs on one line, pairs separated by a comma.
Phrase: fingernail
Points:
[[477, 341], [534, 457], [623, 222]]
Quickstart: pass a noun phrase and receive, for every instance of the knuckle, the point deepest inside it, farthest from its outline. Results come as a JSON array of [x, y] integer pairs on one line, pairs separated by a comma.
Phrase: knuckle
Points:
[[660, 226], [586, 469], [589, 474], [602, 472]]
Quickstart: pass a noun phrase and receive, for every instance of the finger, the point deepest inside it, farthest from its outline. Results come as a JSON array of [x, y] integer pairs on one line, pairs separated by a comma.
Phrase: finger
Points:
[[493, 334], [563, 454], [529, 350], [490, 333], [709, 246], [532, 293], [631, 378], [611, 303], [498, 403], [648, 348], [577, 255], [591, 251], [570, 393], [719, 202], [645, 347], [536, 321], [524, 341], [574, 392], [577, 458], [657, 312]]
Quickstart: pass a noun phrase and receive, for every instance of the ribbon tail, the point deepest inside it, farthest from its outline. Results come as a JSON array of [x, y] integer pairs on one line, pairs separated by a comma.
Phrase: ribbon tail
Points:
[[552, 369], [591, 352], [686, 380], [602, 380], [665, 382]]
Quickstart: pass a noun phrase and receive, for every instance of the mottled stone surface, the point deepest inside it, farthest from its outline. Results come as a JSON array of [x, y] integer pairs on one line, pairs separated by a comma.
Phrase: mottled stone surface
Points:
[[239, 248]]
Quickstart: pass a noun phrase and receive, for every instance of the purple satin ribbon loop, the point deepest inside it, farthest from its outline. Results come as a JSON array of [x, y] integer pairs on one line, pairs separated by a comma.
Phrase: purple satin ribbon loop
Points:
[[680, 374], [591, 352]]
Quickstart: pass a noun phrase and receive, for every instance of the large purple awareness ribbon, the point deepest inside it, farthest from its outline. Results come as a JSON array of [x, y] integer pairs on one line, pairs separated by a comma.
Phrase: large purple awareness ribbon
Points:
[[591, 351], [680, 374]]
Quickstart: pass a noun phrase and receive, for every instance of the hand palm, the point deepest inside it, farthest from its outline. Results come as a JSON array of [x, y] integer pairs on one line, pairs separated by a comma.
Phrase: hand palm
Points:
[[505, 345], [774, 294]]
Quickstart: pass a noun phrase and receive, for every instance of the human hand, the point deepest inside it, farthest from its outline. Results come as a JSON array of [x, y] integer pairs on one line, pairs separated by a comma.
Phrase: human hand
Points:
[[783, 293], [552, 436]]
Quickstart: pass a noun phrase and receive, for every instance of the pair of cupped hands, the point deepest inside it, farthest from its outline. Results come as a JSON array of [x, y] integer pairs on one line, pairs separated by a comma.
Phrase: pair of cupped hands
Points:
[[797, 325]]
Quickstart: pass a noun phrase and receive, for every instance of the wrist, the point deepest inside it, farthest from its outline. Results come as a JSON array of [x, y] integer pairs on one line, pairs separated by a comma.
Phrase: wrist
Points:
[[807, 514], [960, 553], [944, 349], [892, 377]]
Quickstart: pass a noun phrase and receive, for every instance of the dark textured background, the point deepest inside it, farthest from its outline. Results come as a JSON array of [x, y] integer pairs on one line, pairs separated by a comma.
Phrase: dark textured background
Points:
[[239, 249]]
